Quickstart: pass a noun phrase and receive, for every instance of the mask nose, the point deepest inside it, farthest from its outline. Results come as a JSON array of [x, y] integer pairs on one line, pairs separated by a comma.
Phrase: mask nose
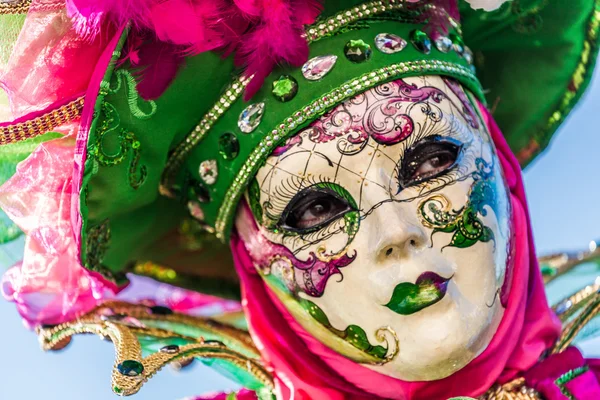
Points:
[[400, 241]]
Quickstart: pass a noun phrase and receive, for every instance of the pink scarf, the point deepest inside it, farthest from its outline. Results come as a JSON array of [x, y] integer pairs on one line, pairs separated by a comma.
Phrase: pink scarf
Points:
[[306, 369]]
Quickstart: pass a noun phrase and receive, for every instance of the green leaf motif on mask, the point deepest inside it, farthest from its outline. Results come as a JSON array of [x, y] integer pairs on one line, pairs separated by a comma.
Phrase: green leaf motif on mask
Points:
[[465, 224], [353, 334]]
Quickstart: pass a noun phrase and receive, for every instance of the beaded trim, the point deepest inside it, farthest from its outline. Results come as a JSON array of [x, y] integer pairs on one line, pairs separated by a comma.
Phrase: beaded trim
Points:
[[314, 110], [42, 124], [176, 159], [341, 20], [25, 6], [18, 7], [565, 378]]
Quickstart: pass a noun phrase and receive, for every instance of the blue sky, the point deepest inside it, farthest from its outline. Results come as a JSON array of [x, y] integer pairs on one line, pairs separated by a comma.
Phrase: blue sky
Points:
[[563, 194]]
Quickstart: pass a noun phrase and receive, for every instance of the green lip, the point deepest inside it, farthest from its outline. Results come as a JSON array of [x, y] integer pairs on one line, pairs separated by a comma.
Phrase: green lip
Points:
[[408, 298]]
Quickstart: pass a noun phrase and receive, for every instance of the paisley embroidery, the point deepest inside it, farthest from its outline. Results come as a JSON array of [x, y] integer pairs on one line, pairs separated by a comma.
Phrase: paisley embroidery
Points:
[[113, 143], [108, 134], [133, 98]]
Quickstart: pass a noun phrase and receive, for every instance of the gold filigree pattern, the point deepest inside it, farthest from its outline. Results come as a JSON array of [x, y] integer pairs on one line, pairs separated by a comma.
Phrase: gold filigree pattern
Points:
[[513, 390], [572, 329], [123, 323], [381, 336], [14, 7], [569, 306], [42, 124]]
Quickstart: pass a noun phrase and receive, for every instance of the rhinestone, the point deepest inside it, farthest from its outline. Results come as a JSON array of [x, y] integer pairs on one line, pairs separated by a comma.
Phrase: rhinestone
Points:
[[468, 55], [389, 43], [251, 116], [285, 88], [61, 344], [457, 43], [229, 146], [421, 41], [170, 349], [195, 210], [183, 363], [563, 307], [357, 51], [161, 310], [208, 171], [317, 67], [443, 44], [130, 368]]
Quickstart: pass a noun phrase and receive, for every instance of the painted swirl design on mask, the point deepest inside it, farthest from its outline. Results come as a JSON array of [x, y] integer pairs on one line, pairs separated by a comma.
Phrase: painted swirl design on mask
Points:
[[465, 224]]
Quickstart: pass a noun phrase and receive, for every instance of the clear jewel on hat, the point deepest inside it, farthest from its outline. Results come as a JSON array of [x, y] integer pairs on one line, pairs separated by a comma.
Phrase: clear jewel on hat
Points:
[[443, 44], [317, 67], [389, 43], [251, 116], [208, 171], [195, 210], [468, 55]]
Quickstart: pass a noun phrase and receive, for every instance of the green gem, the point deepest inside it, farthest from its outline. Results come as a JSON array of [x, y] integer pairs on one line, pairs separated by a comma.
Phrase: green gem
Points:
[[285, 88], [458, 43], [229, 146], [421, 41], [117, 390], [357, 51], [130, 368]]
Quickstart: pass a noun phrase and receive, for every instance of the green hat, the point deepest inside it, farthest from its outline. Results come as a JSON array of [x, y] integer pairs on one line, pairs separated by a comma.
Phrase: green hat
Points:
[[162, 178]]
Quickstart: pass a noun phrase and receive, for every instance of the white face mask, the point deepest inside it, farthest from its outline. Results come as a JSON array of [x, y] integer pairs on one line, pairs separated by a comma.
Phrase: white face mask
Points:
[[384, 229]]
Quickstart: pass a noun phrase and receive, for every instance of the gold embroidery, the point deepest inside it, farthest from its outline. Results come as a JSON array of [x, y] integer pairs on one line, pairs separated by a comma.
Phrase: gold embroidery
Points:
[[42, 124]]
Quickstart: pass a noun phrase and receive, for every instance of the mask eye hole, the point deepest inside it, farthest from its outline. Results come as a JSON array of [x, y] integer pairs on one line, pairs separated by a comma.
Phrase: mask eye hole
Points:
[[428, 159], [312, 209]]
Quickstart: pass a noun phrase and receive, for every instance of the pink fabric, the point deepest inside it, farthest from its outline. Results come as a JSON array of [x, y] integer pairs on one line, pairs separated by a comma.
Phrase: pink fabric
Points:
[[58, 62], [543, 377], [49, 286], [306, 369], [243, 394]]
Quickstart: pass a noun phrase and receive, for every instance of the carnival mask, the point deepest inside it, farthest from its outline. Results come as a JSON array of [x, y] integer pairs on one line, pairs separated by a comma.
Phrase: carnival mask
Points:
[[383, 228]]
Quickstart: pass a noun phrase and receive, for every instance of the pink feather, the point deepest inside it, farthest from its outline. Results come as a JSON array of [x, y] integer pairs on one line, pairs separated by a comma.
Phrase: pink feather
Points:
[[158, 64], [437, 17], [199, 25], [276, 37]]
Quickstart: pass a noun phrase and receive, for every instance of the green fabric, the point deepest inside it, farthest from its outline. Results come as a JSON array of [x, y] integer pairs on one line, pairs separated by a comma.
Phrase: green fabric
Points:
[[10, 27], [123, 222], [137, 219], [535, 58], [538, 70]]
